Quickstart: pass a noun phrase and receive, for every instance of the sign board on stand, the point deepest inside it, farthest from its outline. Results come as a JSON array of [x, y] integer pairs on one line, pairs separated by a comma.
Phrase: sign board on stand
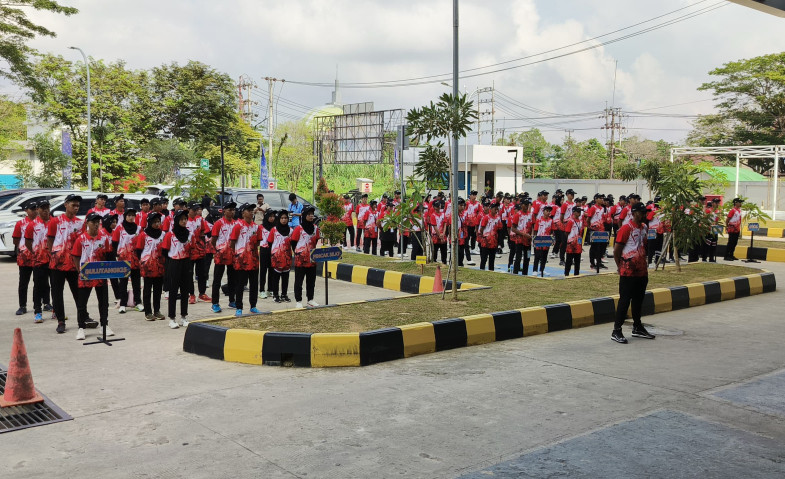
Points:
[[600, 236], [204, 163], [754, 227], [105, 270], [652, 235], [717, 229], [323, 255], [542, 241]]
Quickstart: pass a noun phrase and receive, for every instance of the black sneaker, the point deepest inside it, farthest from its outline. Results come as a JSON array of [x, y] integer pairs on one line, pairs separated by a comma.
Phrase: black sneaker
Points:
[[640, 332], [602, 266], [618, 336], [90, 324], [47, 307], [286, 298], [561, 263], [21, 311], [60, 327], [277, 299]]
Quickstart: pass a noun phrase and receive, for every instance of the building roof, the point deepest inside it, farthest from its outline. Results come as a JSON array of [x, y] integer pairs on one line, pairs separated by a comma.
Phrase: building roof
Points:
[[730, 173]]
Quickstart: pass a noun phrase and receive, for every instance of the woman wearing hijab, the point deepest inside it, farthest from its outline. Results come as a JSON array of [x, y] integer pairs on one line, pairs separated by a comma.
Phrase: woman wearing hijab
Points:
[[280, 256], [108, 225], [305, 237], [268, 223], [176, 247], [123, 240], [148, 248]]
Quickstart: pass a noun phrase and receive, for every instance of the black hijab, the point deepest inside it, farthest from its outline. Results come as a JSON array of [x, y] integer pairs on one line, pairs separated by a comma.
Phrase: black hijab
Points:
[[149, 230], [268, 222], [308, 226], [107, 222], [180, 232], [283, 229], [130, 228]]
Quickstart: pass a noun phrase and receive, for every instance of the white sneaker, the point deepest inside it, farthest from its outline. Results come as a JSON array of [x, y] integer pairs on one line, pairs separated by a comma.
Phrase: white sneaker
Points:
[[553, 256], [299, 305], [80, 334], [140, 307], [313, 303], [122, 309], [166, 294], [173, 324], [109, 332], [262, 294], [471, 263], [116, 303], [184, 321]]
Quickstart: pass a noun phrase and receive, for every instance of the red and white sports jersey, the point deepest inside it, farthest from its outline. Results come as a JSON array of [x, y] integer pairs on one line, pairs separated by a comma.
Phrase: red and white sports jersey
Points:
[[540, 213], [633, 255], [119, 214], [305, 243], [473, 213], [102, 212], [523, 223], [487, 235], [151, 259], [23, 257], [369, 223], [438, 227], [574, 231], [126, 245], [64, 231], [88, 249], [348, 208], [361, 209], [36, 231], [222, 229], [141, 219], [198, 229], [280, 251], [566, 212], [734, 220], [625, 216], [543, 227], [246, 247], [596, 216], [177, 250]]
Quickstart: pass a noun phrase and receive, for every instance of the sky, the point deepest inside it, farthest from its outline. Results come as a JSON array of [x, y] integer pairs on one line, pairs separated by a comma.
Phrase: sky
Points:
[[366, 41]]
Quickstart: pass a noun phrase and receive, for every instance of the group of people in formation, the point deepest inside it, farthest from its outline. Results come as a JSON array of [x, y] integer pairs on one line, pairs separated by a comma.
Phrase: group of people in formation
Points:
[[485, 224], [166, 249]]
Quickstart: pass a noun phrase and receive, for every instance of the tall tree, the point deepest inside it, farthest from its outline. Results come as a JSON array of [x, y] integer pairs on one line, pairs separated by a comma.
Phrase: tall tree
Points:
[[751, 103], [17, 29]]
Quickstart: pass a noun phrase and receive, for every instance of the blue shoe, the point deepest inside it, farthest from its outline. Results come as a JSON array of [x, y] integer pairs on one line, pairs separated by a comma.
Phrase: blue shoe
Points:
[[39, 318], [216, 308], [255, 310], [239, 312], [232, 305]]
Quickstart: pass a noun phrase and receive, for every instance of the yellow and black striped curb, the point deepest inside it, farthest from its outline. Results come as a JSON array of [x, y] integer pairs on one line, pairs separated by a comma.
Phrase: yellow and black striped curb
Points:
[[383, 278], [760, 254], [767, 232], [370, 347]]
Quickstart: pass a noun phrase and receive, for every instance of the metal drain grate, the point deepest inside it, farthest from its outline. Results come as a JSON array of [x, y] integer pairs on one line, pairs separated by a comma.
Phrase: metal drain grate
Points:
[[31, 415]]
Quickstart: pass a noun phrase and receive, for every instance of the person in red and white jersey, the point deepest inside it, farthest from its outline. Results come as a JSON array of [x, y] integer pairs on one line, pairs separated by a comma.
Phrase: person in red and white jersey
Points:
[[244, 241], [168, 216], [91, 246], [370, 218], [35, 242], [414, 231], [473, 216], [437, 225], [615, 212], [362, 207], [714, 211], [596, 219], [397, 200], [387, 237], [119, 206], [224, 256], [629, 252], [268, 223], [488, 236], [348, 209], [733, 227], [542, 227], [61, 235], [177, 249], [141, 217], [99, 206], [537, 204], [24, 257], [558, 240], [463, 234], [565, 212], [521, 225], [280, 257], [124, 245], [654, 223], [305, 238], [199, 230], [148, 248], [574, 239], [626, 216]]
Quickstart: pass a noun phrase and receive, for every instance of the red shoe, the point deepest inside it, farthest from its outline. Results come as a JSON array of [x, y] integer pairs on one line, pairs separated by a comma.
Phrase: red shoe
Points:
[[205, 298], [192, 299]]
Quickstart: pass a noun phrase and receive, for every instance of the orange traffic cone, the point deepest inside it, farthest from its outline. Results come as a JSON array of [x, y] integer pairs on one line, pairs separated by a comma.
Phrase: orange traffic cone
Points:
[[438, 285], [19, 388]]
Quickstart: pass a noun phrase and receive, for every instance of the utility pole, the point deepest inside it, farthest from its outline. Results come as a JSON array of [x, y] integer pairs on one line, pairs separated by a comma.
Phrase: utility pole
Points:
[[454, 159], [493, 113], [270, 81], [480, 114]]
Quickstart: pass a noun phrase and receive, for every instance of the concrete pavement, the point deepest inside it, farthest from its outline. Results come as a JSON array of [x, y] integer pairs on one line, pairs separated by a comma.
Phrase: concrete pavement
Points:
[[520, 408]]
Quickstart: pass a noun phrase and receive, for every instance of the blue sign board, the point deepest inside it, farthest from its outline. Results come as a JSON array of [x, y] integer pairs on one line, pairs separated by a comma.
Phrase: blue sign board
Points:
[[105, 270], [753, 226], [652, 235], [717, 229], [600, 236], [543, 241], [333, 253]]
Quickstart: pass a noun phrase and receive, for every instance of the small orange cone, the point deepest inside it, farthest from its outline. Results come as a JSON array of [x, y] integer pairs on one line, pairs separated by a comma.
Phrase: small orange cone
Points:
[[438, 285], [19, 388]]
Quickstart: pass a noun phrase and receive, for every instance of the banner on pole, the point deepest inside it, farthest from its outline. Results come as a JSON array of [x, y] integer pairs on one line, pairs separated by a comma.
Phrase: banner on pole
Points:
[[67, 150], [263, 174], [397, 165]]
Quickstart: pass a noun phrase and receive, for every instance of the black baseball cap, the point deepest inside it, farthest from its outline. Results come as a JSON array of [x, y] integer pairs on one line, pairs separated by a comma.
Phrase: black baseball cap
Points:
[[570, 191], [101, 196], [577, 209], [31, 206], [93, 217], [129, 211], [72, 197], [473, 192], [155, 201], [638, 207], [144, 201], [42, 204], [230, 205]]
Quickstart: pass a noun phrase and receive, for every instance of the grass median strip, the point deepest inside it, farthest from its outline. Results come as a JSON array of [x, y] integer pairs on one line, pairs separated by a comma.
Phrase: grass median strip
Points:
[[506, 292]]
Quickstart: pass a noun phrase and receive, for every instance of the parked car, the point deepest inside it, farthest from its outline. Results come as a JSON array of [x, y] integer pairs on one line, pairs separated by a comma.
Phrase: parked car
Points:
[[277, 199]]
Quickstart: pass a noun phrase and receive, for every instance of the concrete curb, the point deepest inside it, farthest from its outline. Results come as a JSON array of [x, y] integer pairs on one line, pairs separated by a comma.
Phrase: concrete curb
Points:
[[760, 254], [766, 232], [370, 347], [387, 279]]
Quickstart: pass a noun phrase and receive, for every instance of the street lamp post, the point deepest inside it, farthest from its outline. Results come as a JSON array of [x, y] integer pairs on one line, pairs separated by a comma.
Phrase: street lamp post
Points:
[[515, 169], [223, 175], [89, 142]]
